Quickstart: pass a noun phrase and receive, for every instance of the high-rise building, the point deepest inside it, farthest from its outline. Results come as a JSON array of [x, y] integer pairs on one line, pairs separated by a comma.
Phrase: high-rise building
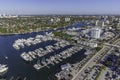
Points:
[[95, 33], [118, 25], [103, 23], [97, 21]]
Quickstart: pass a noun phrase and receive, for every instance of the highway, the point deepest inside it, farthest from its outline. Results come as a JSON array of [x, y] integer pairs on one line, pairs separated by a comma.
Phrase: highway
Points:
[[111, 45], [91, 62]]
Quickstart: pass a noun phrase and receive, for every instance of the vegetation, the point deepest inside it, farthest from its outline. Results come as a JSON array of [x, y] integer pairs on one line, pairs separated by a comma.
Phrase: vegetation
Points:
[[63, 36], [101, 69], [98, 48], [33, 23]]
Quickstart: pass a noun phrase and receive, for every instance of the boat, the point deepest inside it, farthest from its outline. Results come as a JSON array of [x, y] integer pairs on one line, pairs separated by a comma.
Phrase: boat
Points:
[[88, 52], [6, 57], [26, 57], [38, 66], [25, 78], [3, 69]]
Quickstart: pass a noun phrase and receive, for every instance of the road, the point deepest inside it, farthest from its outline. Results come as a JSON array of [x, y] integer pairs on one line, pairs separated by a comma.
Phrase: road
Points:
[[91, 62], [111, 45]]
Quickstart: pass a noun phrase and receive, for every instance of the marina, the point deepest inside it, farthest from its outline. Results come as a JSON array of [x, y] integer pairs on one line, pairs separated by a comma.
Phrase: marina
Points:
[[59, 40], [41, 52], [21, 43], [55, 55], [58, 57]]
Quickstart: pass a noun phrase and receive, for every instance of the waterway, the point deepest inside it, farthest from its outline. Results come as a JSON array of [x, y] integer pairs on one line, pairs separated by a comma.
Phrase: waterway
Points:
[[19, 68]]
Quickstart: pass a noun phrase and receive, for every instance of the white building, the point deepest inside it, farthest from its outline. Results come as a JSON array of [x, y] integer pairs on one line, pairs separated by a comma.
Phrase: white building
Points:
[[51, 19], [107, 21], [103, 23], [65, 66], [118, 25], [57, 19], [8, 16], [96, 23], [95, 33], [67, 19], [87, 43], [93, 45]]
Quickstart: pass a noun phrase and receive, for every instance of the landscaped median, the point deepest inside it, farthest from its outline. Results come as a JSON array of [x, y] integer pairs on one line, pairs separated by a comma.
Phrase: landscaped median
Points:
[[98, 48], [99, 73]]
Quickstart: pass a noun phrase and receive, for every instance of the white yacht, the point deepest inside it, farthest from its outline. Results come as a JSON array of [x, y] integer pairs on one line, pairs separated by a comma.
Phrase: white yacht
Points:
[[3, 69]]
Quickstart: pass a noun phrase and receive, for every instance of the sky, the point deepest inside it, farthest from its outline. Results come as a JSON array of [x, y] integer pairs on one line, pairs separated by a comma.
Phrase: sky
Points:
[[59, 6]]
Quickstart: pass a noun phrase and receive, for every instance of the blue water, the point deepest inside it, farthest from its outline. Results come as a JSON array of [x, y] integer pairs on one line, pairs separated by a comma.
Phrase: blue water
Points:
[[18, 67]]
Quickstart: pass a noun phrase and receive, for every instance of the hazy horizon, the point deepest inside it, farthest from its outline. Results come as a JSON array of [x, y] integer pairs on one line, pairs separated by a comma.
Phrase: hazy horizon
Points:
[[60, 7]]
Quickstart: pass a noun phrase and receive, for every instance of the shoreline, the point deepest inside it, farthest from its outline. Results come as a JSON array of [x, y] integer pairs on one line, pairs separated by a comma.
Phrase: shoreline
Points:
[[22, 33], [27, 32]]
